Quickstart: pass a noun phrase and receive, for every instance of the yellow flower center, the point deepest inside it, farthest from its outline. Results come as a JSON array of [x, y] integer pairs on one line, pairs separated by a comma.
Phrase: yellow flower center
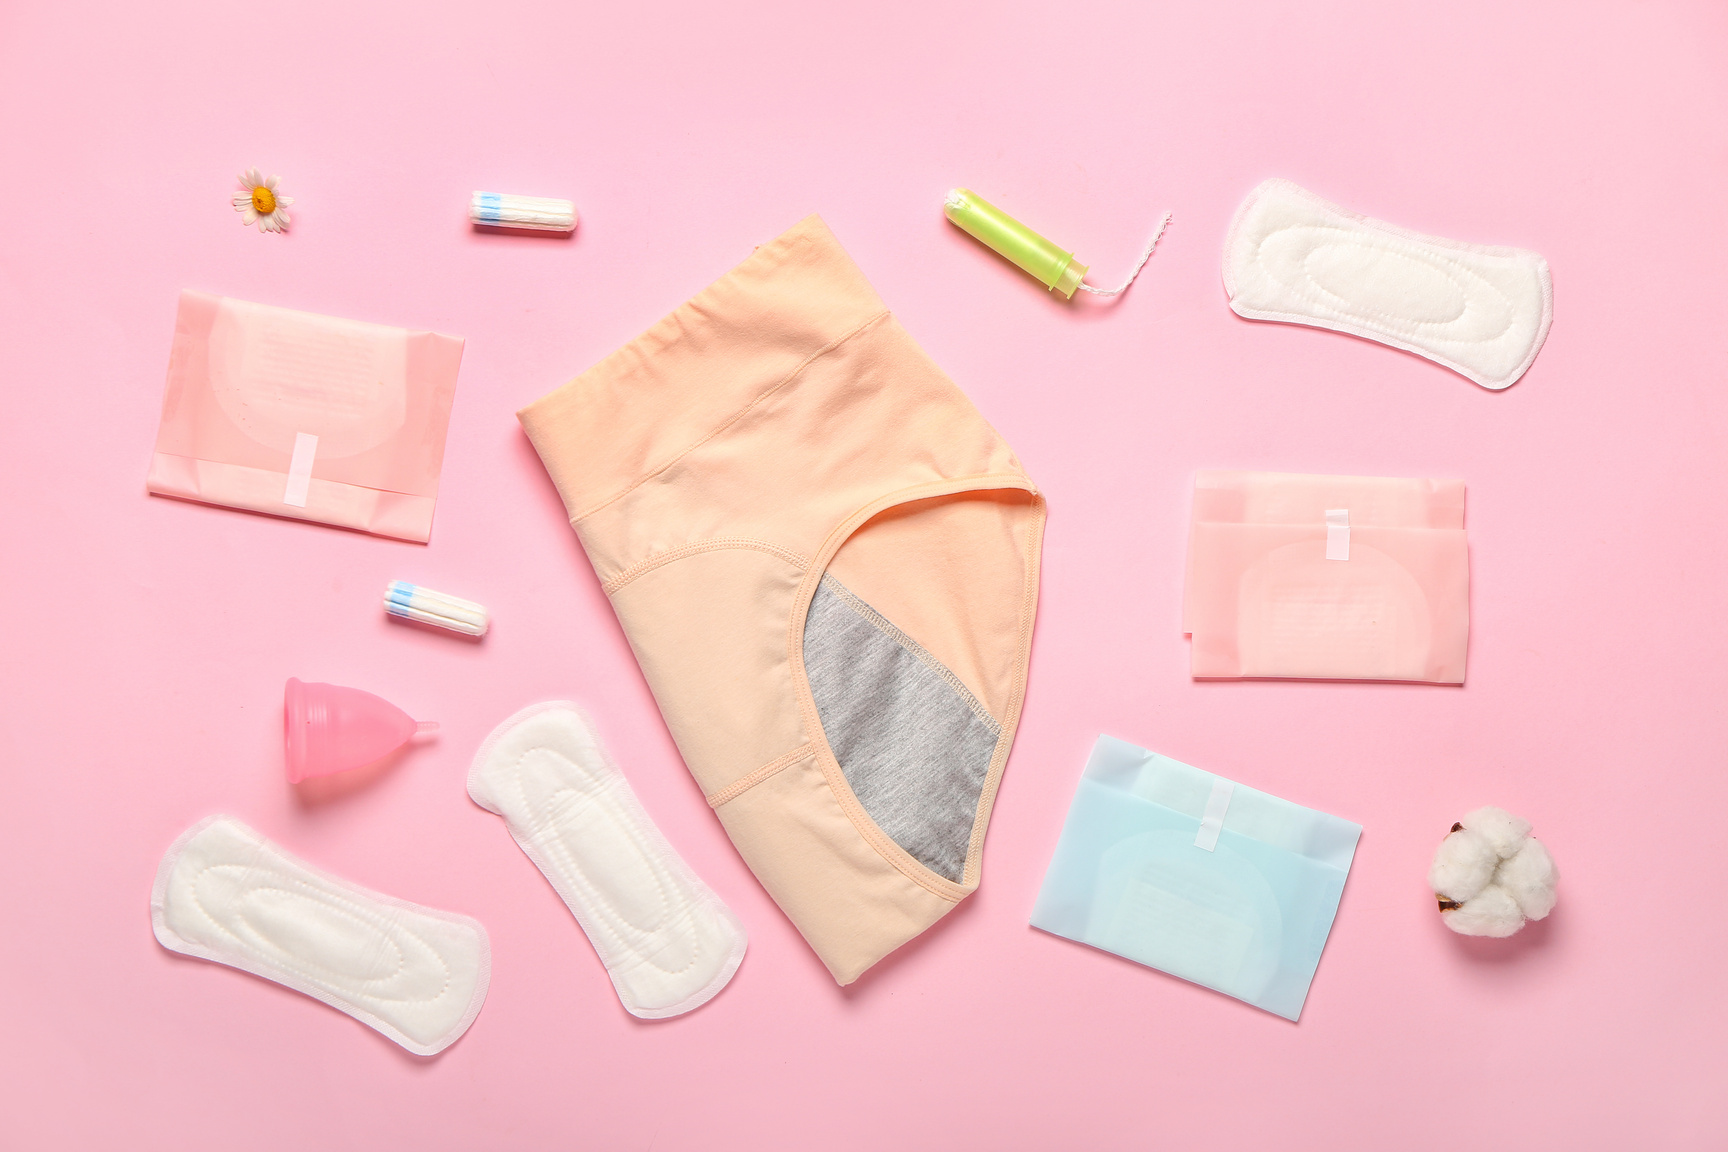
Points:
[[263, 200]]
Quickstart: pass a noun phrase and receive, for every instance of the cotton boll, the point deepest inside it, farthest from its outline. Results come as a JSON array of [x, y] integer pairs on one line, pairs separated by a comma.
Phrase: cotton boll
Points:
[[1529, 878], [1463, 865], [1491, 874], [1503, 831], [1492, 912]]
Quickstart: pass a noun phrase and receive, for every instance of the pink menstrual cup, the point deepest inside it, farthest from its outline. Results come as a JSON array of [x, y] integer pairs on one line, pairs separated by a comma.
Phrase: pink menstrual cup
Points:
[[327, 728]]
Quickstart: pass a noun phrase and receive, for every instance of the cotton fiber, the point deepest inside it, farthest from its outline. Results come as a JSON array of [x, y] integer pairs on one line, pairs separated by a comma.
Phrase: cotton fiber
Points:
[[1491, 875]]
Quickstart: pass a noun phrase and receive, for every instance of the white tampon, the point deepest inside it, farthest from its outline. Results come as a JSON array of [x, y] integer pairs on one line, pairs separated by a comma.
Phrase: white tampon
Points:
[[540, 213], [412, 602]]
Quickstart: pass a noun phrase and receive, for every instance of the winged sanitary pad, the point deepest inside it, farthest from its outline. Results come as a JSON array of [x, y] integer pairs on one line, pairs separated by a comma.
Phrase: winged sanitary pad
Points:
[[227, 894], [1479, 310], [668, 942]]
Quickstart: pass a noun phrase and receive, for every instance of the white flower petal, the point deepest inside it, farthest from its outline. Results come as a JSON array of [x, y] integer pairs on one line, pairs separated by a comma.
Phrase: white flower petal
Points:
[[284, 199], [251, 214], [241, 201], [281, 218], [271, 183]]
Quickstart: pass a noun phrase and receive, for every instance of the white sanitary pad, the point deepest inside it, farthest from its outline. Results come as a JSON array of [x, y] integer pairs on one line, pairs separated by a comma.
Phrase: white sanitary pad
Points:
[[1480, 311], [668, 942], [416, 974]]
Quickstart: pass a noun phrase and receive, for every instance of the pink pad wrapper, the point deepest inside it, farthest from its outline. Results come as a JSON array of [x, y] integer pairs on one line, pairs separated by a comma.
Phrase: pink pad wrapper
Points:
[[1264, 600], [307, 416]]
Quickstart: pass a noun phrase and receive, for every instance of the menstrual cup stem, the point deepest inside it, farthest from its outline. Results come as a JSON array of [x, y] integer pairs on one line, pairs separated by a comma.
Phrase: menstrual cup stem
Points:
[[425, 728]]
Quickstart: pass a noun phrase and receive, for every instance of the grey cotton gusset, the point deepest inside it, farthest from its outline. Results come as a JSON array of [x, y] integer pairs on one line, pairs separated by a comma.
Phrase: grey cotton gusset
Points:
[[914, 744]]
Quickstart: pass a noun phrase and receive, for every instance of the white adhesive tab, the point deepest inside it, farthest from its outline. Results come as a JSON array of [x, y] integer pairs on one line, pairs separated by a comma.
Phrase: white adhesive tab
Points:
[[1337, 533], [416, 974], [300, 469], [668, 942], [1212, 822], [1481, 311]]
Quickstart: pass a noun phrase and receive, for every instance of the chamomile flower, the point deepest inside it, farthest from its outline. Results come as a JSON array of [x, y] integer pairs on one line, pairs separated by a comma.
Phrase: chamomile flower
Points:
[[259, 202]]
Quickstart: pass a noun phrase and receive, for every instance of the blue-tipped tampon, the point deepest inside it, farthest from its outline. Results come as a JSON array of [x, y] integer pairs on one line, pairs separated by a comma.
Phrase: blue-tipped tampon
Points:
[[412, 602], [539, 213]]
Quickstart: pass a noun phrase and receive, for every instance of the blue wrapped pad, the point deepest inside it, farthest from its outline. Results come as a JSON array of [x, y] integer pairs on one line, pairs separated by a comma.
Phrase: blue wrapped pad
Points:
[[1132, 875]]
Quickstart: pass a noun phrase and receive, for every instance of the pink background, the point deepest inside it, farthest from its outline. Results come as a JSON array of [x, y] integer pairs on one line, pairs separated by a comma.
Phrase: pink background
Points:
[[147, 639]]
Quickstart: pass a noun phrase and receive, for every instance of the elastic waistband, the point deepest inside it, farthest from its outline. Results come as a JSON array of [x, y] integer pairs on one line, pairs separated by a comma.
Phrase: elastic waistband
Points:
[[639, 409]]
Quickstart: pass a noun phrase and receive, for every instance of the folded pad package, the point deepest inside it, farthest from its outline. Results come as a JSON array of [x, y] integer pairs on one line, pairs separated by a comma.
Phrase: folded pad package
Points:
[[306, 416], [1327, 577], [1197, 876]]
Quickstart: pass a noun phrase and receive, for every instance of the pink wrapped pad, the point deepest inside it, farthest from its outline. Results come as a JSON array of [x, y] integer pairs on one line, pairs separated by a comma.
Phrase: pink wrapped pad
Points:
[[1263, 599], [307, 416]]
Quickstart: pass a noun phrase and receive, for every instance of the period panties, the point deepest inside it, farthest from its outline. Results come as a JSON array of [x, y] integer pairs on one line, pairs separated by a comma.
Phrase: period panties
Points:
[[827, 565]]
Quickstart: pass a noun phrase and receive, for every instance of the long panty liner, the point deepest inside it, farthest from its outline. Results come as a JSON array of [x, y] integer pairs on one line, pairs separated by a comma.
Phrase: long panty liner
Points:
[[416, 974], [1480, 310], [667, 941]]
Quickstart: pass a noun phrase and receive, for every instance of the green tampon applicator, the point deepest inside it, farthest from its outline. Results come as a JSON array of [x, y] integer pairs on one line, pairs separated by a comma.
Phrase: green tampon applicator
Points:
[[1052, 267]]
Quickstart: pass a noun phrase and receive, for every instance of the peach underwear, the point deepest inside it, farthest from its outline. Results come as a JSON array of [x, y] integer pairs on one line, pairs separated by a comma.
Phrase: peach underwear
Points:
[[827, 564]]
